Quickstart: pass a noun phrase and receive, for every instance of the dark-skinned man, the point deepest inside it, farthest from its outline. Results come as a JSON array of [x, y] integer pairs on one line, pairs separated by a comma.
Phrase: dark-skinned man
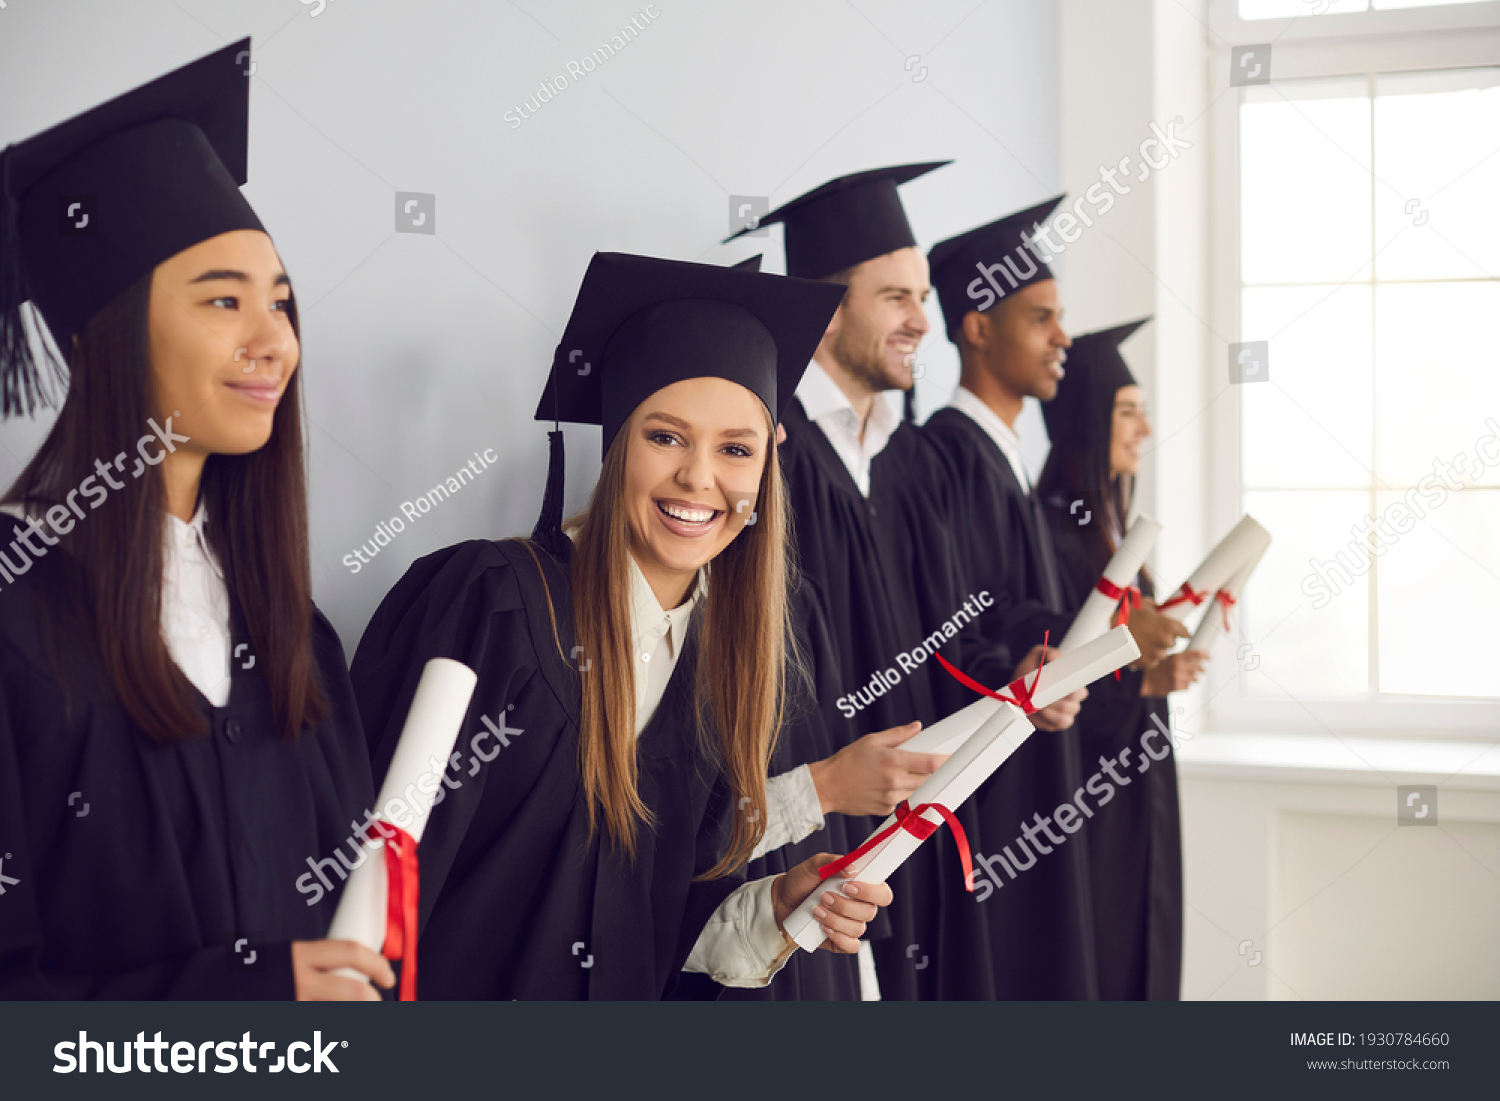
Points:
[[1003, 311]]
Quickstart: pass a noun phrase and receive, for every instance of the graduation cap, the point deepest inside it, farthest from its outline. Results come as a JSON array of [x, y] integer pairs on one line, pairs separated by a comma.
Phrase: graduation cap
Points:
[[94, 203], [846, 221], [994, 257], [750, 263], [1080, 417], [640, 324]]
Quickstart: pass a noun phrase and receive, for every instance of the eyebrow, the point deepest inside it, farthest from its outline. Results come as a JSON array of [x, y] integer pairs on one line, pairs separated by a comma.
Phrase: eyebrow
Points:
[[678, 422], [217, 274]]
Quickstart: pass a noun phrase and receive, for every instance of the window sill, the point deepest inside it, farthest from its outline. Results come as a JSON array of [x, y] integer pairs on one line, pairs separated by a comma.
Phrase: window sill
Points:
[[1322, 759]]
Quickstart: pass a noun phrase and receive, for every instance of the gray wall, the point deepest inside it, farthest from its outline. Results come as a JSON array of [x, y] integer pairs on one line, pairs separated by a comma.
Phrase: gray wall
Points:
[[422, 349]]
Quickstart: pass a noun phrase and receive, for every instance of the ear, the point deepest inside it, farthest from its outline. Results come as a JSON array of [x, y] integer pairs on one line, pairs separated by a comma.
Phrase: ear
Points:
[[977, 329]]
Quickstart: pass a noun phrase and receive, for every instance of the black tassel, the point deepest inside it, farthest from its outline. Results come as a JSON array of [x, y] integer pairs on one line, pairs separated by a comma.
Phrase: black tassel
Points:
[[23, 381], [548, 531], [909, 406]]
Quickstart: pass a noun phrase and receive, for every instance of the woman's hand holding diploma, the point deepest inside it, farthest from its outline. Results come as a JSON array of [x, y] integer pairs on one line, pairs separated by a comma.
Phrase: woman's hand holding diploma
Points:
[[314, 967], [872, 775], [842, 919]]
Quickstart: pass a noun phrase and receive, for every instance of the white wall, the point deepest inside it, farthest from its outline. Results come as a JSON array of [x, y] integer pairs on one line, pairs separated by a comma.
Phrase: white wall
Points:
[[420, 350]]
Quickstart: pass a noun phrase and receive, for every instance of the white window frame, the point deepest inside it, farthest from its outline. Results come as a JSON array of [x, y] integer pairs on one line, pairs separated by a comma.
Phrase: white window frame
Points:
[[1355, 44]]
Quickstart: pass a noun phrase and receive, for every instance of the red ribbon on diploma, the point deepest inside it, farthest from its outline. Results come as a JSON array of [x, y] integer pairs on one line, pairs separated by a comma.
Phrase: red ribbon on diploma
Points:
[[402, 896], [1020, 694], [910, 819], [1128, 597], [1187, 596], [1225, 603]]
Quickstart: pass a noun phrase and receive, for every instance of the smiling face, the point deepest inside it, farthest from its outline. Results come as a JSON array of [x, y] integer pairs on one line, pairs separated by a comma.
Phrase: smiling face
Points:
[[1129, 429], [695, 451], [1021, 341], [222, 345], [875, 332]]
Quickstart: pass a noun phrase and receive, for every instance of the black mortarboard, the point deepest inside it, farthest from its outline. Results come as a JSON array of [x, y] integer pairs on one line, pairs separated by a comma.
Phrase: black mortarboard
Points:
[[94, 203], [975, 269], [846, 221], [640, 323], [1080, 416]]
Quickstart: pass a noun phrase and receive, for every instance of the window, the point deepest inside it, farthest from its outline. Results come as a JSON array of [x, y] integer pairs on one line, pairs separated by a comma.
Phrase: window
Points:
[[1366, 252]]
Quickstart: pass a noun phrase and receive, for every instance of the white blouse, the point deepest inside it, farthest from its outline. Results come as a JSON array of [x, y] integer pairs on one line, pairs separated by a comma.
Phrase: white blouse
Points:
[[741, 945]]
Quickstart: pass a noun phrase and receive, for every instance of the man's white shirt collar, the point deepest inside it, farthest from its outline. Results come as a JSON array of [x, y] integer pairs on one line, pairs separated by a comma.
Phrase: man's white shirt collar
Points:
[[966, 401], [831, 410]]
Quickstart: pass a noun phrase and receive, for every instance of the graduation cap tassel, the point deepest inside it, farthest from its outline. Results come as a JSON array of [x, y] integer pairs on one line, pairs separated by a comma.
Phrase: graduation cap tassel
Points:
[[548, 531], [23, 385]]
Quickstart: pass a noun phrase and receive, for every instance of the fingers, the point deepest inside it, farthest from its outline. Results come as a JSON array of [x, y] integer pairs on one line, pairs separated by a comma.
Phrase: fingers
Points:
[[895, 735], [919, 764], [1030, 662], [844, 919], [330, 955]]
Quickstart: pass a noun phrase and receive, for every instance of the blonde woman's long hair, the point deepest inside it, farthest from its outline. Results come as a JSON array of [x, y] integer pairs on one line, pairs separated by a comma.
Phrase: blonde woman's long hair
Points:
[[743, 651]]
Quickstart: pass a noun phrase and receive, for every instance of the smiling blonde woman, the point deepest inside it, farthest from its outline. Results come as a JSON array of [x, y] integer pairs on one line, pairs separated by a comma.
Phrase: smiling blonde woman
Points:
[[639, 663]]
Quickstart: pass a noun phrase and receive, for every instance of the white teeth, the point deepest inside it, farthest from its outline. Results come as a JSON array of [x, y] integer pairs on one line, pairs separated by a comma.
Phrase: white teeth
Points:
[[690, 515]]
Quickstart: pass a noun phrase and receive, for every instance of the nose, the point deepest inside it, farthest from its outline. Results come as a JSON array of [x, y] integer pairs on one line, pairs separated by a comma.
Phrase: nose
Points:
[[272, 344], [696, 472], [916, 320]]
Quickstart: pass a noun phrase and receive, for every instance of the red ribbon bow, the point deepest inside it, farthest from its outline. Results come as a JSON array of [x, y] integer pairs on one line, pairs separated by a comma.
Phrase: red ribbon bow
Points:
[[1020, 693], [1225, 603], [1128, 597], [910, 819], [402, 896], [1187, 596]]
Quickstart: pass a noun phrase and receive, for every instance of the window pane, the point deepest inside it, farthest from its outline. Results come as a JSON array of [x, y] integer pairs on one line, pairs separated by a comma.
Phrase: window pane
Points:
[[1308, 624], [1437, 355], [1309, 426], [1280, 9], [1437, 150], [1439, 593], [1305, 182]]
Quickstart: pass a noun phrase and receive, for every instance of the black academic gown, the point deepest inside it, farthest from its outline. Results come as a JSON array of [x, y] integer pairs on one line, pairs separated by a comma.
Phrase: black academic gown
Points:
[[518, 899], [1134, 840], [131, 867], [1041, 921], [806, 737], [888, 567]]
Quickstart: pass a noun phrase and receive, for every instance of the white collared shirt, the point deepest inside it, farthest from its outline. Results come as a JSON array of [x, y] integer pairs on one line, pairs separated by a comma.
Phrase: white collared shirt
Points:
[[194, 605], [741, 944], [1005, 437], [831, 410]]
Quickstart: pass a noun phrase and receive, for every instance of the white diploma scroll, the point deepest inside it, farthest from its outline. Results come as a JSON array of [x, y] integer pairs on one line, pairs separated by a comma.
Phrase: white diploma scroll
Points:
[[1213, 620], [1093, 618], [1060, 677], [1245, 542], [432, 727], [984, 748]]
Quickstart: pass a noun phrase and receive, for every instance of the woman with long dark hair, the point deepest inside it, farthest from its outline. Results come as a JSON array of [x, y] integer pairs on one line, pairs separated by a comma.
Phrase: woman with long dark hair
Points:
[[633, 672], [1097, 424], [178, 736]]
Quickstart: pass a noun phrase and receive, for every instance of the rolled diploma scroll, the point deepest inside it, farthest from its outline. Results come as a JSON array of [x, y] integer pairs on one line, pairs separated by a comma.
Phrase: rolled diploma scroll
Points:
[[432, 727], [1060, 677], [1093, 618], [954, 781], [1203, 637], [995, 736], [1246, 541]]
